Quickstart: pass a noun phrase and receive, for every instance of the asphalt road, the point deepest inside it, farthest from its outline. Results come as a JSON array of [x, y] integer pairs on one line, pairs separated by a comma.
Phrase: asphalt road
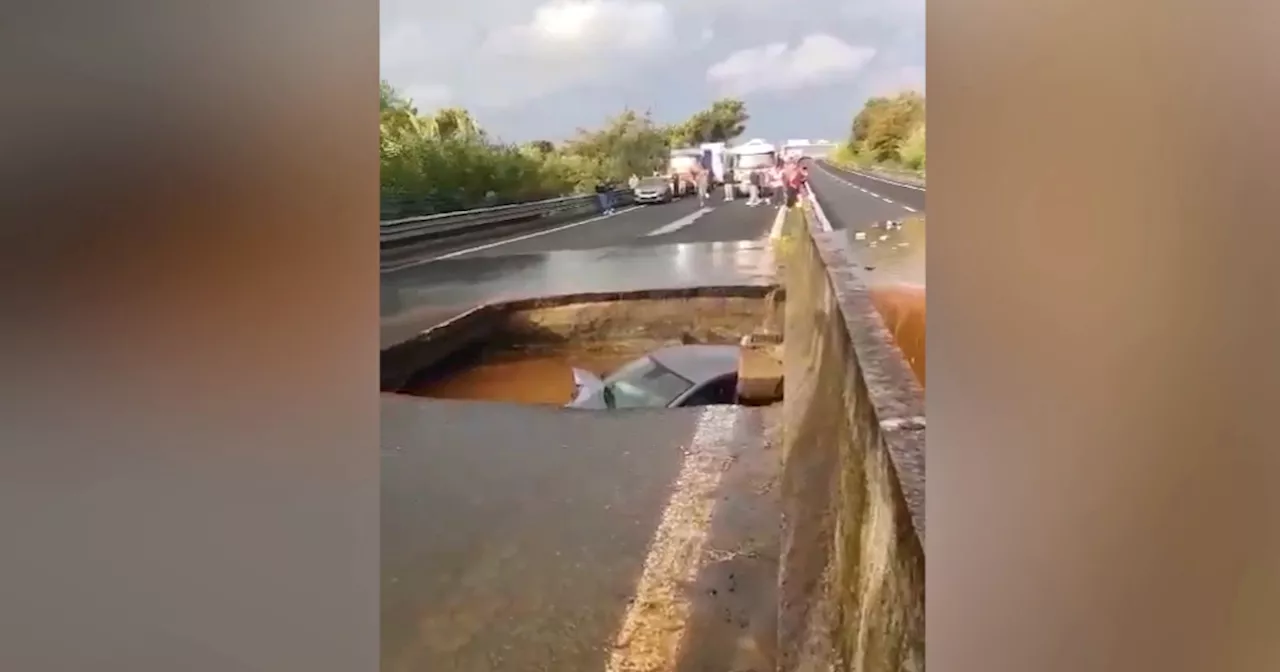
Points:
[[525, 538], [417, 298], [522, 538], [682, 221], [905, 199]]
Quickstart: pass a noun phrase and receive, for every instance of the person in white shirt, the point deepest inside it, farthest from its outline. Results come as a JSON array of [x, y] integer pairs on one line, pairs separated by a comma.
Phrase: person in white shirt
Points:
[[775, 187], [753, 188]]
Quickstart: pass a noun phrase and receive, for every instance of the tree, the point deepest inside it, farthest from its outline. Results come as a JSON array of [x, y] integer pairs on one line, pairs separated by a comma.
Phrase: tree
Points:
[[912, 149], [445, 161], [629, 144], [454, 122], [880, 128], [543, 146], [725, 120]]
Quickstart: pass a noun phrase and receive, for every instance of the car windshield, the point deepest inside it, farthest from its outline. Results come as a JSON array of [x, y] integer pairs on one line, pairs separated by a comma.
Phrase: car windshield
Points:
[[644, 383], [753, 161], [653, 183]]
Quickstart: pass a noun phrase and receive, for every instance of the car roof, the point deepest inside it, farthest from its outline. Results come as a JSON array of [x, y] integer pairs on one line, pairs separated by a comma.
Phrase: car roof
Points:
[[698, 363]]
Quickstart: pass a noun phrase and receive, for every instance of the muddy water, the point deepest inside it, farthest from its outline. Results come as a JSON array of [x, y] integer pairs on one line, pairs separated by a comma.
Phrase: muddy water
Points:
[[542, 377], [894, 260], [903, 309]]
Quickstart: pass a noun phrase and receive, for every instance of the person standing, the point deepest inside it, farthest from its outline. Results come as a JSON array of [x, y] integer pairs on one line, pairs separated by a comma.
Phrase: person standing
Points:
[[776, 186], [729, 178], [791, 181], [753, 188], [704, 185], [603, 197]]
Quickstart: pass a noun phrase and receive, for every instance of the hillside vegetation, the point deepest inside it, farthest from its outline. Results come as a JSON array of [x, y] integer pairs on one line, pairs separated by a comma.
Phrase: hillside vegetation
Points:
[[446, 161], [889, 133]]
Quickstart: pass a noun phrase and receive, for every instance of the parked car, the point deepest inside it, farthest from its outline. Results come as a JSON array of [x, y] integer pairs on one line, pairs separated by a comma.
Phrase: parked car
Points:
[[653, 190], [671, 377]]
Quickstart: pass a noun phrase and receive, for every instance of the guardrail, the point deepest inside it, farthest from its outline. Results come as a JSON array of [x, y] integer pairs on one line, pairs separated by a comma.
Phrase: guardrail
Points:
[[408, 240], [851, 581]]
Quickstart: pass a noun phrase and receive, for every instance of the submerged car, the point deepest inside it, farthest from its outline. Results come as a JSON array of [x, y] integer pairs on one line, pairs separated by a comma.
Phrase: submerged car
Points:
[[671, 377], [653, 190]]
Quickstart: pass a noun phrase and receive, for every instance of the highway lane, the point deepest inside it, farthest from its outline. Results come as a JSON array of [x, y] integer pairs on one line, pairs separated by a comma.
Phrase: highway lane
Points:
[[909, 197], [682, 221], [420, 297], [850, 206]]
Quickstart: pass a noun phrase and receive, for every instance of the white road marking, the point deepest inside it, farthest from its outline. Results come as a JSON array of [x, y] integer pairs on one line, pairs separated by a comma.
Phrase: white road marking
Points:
[[680, 223], [776, 232], [873, 177], [654, 625], [874, 194], [517, 239], [885, 199], [877, 178], [908, 208]]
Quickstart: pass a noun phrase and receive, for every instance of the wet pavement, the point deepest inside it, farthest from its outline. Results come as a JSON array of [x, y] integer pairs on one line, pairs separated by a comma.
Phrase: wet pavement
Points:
[[417, 298], [682, 221], [529, 538], [519, 537], [891, 253]]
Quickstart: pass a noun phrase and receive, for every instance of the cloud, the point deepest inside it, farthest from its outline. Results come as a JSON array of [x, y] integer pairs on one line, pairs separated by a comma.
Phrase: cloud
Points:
[[576, 29], [570, 43], [890, 82], [505, 55], [817, 60], [539, 68]]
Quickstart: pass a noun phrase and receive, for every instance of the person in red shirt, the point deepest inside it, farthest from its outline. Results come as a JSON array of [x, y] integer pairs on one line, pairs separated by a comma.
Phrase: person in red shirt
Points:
[[794, 180]]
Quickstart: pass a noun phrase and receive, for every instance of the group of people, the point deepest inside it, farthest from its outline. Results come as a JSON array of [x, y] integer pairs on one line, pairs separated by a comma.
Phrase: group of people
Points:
[[785, 179]]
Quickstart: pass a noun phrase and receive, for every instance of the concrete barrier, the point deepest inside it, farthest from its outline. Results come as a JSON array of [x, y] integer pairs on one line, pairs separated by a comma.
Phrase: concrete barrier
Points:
[[851, 578]]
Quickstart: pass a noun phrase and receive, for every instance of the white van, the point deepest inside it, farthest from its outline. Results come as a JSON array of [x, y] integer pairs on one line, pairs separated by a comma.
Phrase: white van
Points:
[[750, 157]]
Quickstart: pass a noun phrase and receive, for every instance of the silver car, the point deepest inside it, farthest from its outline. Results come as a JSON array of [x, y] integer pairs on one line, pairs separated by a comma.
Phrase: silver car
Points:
[[671, 377], [653, 190]]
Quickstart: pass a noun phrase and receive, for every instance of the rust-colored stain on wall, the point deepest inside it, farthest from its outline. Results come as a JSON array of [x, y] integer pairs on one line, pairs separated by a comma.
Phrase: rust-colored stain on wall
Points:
[[903, 309]]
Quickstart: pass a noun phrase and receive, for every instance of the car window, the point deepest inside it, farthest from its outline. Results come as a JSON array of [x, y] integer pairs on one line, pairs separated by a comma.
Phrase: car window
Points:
[[653, 182], [722, 390], [644, 383]]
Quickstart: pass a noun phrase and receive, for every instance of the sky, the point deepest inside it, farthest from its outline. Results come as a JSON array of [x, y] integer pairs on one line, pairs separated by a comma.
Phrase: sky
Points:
[[539, 69]]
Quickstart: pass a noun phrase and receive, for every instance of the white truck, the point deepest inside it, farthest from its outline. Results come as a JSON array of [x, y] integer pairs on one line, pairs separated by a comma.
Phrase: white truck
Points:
[[750, 157], [713, 157], [680, 169]]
